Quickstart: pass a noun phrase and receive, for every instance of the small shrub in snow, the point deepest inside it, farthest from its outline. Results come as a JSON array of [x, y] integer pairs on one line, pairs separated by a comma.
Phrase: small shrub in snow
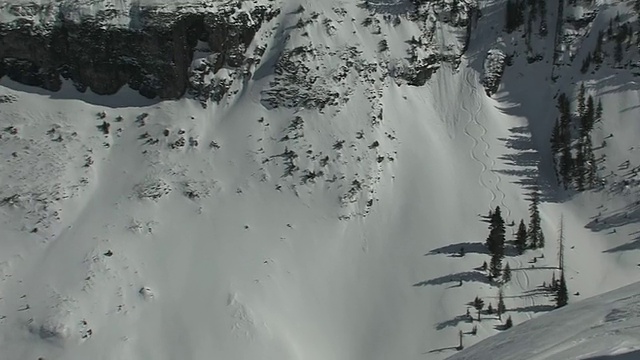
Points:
[[152, 189]]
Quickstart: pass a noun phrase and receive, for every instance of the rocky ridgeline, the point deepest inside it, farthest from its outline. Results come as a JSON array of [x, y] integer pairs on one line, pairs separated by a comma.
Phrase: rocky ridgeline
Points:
[[151, 53]]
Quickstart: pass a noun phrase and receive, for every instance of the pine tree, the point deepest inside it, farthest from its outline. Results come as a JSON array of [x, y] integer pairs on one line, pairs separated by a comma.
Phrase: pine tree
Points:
[[579, 167], [588, 117], [581, 100], [562, 294], [490, 309], [511, 16], [566, 166], [496, 238], [521, 237], [617, 51], [597, 52], [506, 273], [509, 323], [586, 63], [501, 307], [556, 139], [478, 303], [591, 166], [495, 267], [535, 230], [495, 242]]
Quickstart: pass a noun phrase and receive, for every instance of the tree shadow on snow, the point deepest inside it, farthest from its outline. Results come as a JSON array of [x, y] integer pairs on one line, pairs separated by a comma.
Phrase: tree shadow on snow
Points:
[[632, 245], [452, 322], [533, 308], [630, 214], [441, 349], [467, 276], [524, 164], [454, 249]]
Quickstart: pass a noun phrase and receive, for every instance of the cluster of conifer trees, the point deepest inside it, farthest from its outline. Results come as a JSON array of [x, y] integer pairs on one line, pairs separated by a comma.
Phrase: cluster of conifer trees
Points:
[[521, 12], [571, 143], [526, 238], [622, 35]]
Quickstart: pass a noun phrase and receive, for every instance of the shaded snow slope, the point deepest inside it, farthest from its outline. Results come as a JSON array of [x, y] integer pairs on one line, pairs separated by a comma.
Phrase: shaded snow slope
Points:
[[603, 327], [259, 229]]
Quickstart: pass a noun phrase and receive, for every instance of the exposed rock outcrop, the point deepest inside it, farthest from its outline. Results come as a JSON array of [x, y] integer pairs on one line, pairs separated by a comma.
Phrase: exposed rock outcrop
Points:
[[151, 53]]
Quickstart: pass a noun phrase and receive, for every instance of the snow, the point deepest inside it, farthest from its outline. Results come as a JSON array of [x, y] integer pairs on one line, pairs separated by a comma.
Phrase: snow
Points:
[[150, 251], [602, 327]]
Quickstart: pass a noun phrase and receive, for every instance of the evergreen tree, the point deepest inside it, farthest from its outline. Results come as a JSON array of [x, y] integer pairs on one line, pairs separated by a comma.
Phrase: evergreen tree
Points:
[[490, 309], [617, 52], [506, 273], [566, 166], [581, 100], [586, 63], [495, 267], [535, 230], [562, 294], [521, 237], [478, 303], [495, 243], [591, 166], [509, 323], [495, 240], [597, 52], [579, 167], [510, 21], [566, 161], [587, 119], [501, 307], [556, 138]]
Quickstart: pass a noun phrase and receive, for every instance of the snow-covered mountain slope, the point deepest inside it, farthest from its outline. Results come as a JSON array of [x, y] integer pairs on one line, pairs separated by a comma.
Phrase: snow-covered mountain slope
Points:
[[599, 328], [317, 210]]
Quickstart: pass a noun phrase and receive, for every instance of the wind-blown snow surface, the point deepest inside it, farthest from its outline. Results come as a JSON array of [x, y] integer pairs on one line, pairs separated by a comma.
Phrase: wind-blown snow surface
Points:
[[603, 327], [137, 245]]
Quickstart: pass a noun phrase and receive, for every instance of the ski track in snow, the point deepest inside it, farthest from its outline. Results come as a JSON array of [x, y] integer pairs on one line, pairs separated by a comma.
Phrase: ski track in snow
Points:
[[476, 142], [522, 281], [489, 162]]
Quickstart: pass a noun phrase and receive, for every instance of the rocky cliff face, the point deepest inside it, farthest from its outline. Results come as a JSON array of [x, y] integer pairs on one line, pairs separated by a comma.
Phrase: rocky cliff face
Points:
[[151, 54], [167, 51]]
